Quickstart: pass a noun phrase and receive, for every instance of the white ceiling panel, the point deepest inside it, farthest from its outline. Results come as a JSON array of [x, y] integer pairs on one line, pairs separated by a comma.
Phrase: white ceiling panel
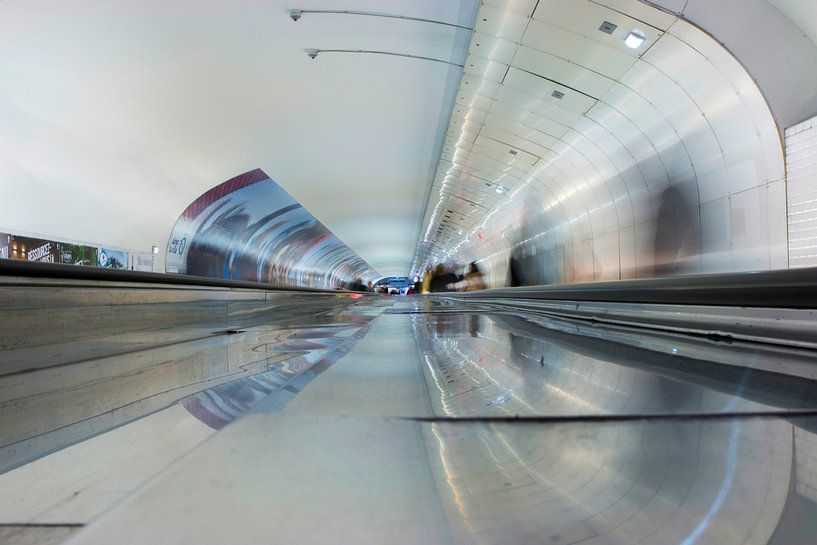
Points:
[[478, 85], [484, 68], [548, 126], [544, 140], [642, 12], [581, 50], [585, 17], [543, 89], [508, 111], [500, 152], [473, 100], [513, 140], [508, 25], [561, 71], [523, 7], [493, 48]]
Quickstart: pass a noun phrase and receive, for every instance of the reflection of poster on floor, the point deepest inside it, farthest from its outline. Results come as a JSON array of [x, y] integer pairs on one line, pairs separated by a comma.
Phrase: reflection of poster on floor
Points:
[[33, 249], [5, 238], [112, 259], [78, 254]]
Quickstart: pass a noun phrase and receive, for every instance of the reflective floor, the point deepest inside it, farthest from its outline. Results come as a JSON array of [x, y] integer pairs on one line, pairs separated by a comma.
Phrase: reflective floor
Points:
[[413, 421]]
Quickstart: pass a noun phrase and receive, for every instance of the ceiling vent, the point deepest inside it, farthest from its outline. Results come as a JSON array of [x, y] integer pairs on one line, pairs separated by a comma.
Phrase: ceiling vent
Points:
[[557, 94], [512, 151], [607, 27]]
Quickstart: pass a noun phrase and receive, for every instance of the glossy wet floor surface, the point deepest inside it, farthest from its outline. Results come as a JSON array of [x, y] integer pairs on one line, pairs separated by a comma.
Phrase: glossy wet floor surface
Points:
[[393, 421]]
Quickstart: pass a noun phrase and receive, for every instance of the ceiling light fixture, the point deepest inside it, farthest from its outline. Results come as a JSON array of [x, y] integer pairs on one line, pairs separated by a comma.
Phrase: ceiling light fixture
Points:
[[634, 39], [607, 27], [500, 189]]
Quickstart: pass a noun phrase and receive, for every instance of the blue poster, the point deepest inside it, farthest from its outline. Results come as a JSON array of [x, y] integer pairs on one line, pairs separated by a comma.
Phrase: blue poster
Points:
[[112, 259]]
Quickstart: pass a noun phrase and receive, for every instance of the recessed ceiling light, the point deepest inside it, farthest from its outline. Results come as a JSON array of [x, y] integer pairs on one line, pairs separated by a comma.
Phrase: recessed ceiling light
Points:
[[634, 39], [607, 27], [500, 189], [557, 94]]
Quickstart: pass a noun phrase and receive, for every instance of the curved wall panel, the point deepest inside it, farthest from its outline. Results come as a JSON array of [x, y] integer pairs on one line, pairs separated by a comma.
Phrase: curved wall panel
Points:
[[581, 159], [248, 228]]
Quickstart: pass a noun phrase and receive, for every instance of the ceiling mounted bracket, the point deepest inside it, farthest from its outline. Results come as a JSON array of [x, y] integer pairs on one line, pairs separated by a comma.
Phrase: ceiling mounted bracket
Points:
[[313, 53], [296, 14]]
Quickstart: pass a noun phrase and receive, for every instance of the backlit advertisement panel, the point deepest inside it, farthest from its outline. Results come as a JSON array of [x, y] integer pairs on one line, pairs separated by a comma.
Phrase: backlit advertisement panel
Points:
[[78, 254], [5, 238], [249, 228], [33, 249], [112, 259]]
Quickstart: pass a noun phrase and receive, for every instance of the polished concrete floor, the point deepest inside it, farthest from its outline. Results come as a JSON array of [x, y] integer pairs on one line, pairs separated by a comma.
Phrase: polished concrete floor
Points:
[[415, 421]]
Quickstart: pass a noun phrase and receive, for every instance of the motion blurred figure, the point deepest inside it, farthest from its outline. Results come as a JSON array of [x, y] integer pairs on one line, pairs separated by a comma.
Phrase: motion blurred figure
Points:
[[443, 279], [526, 266], [674, 240], [473, 279], [425, 286]]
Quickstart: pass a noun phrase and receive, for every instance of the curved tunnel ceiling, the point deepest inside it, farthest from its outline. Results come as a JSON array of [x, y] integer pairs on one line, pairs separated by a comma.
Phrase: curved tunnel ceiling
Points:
[[249, 228], [605, 162], [115, 115]]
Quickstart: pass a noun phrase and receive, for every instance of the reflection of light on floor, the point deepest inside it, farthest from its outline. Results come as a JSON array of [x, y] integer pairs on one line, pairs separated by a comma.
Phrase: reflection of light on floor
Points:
[[726, 486], [731, 461], [567, 396], [449, 478], [439, 386]]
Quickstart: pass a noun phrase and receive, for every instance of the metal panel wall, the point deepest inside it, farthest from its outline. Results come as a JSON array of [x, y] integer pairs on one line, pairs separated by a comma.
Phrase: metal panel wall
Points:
[[588, 160]]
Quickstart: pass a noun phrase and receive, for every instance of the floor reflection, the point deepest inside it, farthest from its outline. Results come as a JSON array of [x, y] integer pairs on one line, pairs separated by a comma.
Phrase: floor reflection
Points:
[[482, 364], [722, 481], [50, 398]]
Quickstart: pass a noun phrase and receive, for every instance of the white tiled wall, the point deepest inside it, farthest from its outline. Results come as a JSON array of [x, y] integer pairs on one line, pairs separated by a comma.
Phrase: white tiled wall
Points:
[[805, 445], [801, 163]]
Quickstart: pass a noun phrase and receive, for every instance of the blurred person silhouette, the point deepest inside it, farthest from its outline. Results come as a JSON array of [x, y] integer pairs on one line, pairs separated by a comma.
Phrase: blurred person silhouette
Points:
[[473, 279], [357, 285], [673, 242], [443, 279], [418, 285], [525, 266], [426, 283]]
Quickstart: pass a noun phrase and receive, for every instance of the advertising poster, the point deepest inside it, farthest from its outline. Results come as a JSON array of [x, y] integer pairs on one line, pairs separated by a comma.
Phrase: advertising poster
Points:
[[112, 259], [141, 261], [5, 238], [78, 254], [249, 228], [33, 249]]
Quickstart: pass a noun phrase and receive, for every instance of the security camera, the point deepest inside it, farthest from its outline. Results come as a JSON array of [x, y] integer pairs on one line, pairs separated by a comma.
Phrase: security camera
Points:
[[294, 14], [312, 53]]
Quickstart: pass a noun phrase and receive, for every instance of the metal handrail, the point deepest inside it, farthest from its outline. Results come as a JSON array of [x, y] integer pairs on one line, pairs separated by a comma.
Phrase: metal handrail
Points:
[[18, 269], [788, 288]]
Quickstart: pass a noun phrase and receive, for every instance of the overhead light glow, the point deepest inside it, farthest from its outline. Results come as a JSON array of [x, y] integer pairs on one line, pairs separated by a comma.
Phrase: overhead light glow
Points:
[[500, 189], [634, 39]]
